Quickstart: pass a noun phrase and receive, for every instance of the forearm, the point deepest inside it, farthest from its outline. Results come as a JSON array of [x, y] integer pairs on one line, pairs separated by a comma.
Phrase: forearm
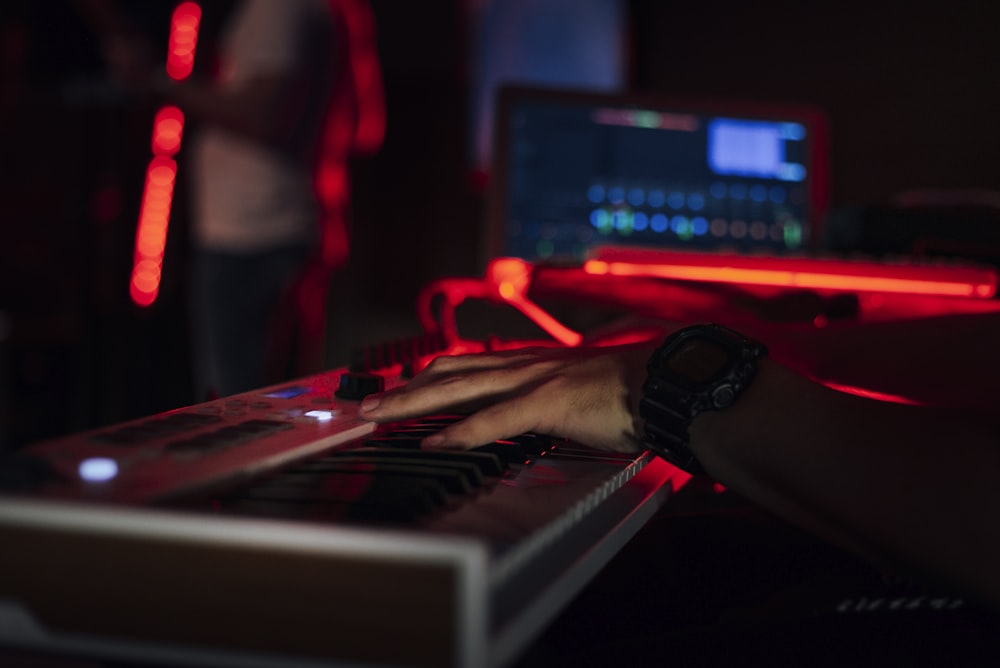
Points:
[[943, 361], [908, 487]]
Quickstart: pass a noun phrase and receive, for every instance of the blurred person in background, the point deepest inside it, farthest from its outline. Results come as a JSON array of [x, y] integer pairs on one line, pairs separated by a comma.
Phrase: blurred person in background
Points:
[[296, 92]]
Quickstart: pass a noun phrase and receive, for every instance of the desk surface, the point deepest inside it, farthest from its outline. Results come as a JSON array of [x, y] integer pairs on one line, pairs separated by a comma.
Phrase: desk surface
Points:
[[713, 581]]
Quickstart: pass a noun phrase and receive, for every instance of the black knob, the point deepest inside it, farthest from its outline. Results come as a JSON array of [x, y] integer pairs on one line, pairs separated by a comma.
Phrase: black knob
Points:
[[356, 385]]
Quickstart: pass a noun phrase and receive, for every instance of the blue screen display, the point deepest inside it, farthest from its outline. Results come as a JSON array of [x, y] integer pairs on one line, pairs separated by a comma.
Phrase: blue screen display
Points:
[[754, 149], [579, 176]]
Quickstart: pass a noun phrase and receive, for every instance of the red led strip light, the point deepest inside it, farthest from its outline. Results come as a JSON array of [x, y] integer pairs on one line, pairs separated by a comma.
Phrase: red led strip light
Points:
[[161, 174], [816, 274]]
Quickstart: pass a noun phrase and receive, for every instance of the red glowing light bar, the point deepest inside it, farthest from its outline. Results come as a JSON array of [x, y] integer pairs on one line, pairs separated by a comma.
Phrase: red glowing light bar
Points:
[[151, 235], [168, 127], [183, 40], [870, 394], [804, 273], [161, 174]]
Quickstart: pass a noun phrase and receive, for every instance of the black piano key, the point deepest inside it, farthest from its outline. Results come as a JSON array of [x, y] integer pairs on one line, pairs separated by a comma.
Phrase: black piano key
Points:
[[582, 452], [452, 480], [423, 430], [426, 421], [534, 443], [404, 442], [351, 488], [487, 463], [509, 452], [411, 458], [417, 428]]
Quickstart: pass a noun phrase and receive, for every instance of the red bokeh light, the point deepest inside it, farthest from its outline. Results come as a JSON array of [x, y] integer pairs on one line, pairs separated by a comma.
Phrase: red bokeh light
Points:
[[161, 174], [168, 128], [183, 40], [151, 235]]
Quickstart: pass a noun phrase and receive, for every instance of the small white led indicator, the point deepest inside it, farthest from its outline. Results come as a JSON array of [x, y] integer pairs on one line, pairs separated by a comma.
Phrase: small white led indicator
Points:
[[98, 469], [321, 416]]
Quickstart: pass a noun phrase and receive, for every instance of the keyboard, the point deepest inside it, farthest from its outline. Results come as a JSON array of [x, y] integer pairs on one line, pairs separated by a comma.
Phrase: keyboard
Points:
[[277, 528]]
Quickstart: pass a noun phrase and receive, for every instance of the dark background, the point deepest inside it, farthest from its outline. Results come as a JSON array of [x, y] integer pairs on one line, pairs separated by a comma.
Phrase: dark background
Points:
[[910, 88]]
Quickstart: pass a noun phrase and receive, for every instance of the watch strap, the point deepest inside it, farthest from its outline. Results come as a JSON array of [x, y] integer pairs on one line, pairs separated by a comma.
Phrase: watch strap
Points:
[[666, 433], [668, 407]]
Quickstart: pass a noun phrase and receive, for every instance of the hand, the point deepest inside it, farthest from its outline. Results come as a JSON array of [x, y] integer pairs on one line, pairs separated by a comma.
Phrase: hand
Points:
[[589, 395]]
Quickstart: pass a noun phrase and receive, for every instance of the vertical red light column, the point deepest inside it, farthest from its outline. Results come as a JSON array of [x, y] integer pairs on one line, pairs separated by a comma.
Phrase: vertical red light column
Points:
[[161, 174]]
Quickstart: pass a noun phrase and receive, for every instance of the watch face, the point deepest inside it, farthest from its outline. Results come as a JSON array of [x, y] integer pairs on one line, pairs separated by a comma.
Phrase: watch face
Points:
[[698, 360]]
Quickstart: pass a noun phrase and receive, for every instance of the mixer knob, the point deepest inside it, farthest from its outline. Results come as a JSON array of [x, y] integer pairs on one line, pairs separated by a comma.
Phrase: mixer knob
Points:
[[358, 385]]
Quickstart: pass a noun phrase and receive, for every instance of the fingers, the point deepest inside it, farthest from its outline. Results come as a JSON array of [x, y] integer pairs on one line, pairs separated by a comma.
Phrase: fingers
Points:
[[583, 396], [558, 406], [452, 364], [461, 384], [502, 420]]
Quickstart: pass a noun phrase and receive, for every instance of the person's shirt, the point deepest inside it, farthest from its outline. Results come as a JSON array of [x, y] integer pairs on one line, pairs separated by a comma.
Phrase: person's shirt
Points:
[[248, 195]]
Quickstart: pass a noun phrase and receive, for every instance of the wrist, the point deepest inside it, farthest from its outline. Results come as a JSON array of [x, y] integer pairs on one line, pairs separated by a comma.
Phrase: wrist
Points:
[[718, 439], [698, 370]]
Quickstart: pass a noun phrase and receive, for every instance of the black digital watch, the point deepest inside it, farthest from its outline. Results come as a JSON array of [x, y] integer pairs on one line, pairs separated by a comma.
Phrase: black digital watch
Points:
[[697, 369]]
